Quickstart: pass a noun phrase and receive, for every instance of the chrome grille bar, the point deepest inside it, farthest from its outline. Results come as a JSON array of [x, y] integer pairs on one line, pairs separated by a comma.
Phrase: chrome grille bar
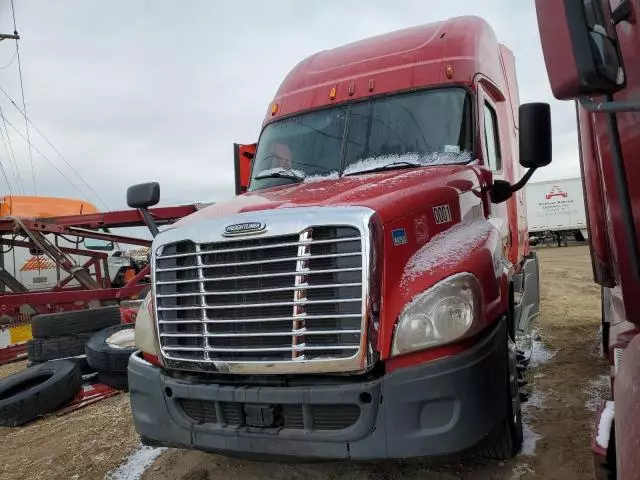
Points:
[[269, 275], [264, 290], [258, 262], [277, 245]]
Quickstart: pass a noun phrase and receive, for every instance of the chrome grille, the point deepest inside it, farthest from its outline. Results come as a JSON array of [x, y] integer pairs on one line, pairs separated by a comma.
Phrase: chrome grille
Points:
[[283, 298]]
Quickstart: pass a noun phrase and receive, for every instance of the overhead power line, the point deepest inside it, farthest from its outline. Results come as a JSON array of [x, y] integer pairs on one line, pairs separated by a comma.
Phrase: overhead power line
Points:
[[43, 155], [54, 148], [24, 105], [12, 155]]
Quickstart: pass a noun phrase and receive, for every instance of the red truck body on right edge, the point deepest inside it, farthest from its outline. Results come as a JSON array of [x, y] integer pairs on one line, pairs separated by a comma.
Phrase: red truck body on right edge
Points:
[[592, 54]]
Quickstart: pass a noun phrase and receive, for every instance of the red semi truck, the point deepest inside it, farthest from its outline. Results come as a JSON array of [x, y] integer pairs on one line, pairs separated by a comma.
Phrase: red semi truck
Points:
[[592, 53], [363, 294]]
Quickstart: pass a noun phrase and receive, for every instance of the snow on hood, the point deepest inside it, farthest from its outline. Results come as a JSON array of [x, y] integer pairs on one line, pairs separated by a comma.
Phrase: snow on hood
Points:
[[446, 248], [416, 159]]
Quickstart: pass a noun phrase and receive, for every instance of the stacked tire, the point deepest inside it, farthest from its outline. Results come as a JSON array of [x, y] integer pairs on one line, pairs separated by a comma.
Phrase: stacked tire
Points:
[[64, 335], [108, 353]]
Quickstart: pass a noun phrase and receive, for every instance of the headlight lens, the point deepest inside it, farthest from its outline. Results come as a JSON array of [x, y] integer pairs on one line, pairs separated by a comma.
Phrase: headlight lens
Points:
[[441, 315], [145, 338]]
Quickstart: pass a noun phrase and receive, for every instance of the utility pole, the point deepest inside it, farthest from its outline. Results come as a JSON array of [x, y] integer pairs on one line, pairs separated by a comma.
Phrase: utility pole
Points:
[[13, 36]]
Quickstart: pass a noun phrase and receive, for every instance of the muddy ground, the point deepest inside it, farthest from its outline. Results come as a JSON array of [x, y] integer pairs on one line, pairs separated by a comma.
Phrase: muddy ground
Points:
[[566, 379]]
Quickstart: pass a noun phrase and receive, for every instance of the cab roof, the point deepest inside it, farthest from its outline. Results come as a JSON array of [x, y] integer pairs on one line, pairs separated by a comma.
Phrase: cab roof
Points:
[[446, 52]]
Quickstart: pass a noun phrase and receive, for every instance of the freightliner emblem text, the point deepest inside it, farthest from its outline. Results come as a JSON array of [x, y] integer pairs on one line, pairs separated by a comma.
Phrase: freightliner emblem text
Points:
[[244, 228]]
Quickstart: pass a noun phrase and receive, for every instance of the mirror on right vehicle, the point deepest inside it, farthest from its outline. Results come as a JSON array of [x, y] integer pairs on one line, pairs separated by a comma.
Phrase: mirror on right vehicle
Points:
[[580, 48]]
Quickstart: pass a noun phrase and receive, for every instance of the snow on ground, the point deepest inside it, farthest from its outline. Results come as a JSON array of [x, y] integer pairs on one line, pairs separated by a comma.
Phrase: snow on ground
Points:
[[597, 390], [536, 403], [136, 464], [416, 159], [519, 470], [539, 352], [604, 427]]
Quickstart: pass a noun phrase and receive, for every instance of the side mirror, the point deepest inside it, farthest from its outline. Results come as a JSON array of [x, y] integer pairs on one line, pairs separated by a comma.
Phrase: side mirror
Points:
[[243, 159], [581, 55], [535, 147], [535, 135], [143, 196], [98, 245]]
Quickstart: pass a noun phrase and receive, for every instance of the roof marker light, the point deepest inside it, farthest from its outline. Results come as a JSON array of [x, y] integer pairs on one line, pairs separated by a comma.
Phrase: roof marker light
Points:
[[352, 88], [274, 109], [332, 93], [449, 71], [371, 84]]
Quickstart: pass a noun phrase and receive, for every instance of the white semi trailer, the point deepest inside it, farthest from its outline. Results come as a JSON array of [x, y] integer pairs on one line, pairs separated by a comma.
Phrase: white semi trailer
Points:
[[556, 209]]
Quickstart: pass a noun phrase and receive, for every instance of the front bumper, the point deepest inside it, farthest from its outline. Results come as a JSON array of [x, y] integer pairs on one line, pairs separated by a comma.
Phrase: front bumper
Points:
[[436, 409]]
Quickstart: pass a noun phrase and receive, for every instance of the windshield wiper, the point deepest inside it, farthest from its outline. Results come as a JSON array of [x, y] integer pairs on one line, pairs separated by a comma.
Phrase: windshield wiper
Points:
[[389, 166], [288, 174]]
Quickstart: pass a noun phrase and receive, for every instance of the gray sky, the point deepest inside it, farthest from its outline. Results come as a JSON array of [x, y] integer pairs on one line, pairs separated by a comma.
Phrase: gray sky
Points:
[[133, 91]]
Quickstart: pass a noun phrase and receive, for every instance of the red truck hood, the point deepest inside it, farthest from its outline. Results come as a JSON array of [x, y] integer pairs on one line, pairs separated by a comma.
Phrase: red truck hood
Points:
[[392, 194]]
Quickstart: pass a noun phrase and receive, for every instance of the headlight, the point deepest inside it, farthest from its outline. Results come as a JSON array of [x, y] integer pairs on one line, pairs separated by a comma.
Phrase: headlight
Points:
[[146, 339], [441, 315]]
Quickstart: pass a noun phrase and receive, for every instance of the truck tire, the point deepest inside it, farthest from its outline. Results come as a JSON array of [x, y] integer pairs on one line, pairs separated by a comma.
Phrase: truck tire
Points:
[[117, 381], [45, 349], [507, 440], [81, 361], [108, 354], [26, 395], [50, 325]]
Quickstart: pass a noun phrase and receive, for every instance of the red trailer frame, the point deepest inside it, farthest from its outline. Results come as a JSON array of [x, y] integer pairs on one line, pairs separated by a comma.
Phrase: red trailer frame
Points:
[[95, 288]]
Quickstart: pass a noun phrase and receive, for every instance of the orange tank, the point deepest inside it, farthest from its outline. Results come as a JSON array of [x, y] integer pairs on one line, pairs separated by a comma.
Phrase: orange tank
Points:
[[40, 207]]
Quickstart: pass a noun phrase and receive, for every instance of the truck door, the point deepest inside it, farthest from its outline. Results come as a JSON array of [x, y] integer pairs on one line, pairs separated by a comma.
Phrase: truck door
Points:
[[498, 146]]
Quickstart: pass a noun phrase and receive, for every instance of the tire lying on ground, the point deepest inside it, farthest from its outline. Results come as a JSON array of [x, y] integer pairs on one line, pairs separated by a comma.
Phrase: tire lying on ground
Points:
[[26, 395], [81, 361], [76, 321], [117, 380], [108, 350], [45, 349]]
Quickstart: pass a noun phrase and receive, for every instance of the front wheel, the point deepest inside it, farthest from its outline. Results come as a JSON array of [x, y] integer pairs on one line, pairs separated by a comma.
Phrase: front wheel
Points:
[[508, 438]]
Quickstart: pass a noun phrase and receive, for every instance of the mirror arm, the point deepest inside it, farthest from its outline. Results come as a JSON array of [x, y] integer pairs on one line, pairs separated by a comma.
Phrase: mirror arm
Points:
[[523, 181], [149, 221], [609, 106], [623, 12]]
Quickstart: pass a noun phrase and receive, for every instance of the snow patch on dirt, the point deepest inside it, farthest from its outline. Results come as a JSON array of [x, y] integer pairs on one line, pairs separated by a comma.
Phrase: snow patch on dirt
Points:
[[540, 354], [604, 427], [135, 464], [518, 471], [446, 248], [530, 437], [596, 390], [371, 163]]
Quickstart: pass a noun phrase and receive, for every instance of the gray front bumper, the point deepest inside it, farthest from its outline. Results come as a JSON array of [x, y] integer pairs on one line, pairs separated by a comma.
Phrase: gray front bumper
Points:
[[439, 408]]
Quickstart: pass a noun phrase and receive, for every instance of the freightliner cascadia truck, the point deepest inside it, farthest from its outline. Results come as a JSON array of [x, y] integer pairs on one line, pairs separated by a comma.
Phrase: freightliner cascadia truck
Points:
[[362, 295], [592, 55]]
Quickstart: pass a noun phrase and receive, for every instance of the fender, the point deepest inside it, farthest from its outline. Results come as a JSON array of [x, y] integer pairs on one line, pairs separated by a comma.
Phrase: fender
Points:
[[473, 246]]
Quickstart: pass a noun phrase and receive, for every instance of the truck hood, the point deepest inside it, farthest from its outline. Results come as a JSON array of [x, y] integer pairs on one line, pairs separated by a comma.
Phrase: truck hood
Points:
[[391, 194]]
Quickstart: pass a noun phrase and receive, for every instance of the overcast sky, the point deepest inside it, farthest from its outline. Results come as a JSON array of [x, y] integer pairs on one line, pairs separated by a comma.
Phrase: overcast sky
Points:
[[132, 91]]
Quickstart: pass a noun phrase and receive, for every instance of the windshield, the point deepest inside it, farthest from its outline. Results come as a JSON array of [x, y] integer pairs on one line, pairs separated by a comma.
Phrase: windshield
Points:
[[412, 129]]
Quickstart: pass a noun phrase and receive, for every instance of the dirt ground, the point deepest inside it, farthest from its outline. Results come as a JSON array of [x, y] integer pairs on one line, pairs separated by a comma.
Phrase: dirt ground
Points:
[[566, 378]]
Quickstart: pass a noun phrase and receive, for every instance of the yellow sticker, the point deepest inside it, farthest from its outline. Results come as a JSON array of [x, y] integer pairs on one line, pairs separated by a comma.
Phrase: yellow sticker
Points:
[[20, 334]]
